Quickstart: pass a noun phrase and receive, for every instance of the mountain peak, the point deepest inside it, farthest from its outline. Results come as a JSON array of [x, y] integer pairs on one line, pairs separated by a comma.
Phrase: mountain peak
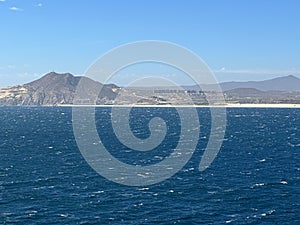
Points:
[[292, 77], [288, 77], [54, 79], [55, 75]]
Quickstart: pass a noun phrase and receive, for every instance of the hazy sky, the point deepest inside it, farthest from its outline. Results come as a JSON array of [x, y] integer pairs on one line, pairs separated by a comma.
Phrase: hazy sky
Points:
[[239, 40]]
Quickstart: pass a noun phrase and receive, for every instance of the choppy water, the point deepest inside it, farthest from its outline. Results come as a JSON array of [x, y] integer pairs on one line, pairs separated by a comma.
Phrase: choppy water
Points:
[[254, 179]]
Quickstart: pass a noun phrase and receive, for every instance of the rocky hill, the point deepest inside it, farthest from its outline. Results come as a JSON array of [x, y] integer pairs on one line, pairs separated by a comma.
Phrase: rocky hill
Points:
[[51, 89]]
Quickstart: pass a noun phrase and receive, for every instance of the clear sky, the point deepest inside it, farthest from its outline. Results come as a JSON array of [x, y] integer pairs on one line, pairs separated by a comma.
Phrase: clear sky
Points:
[[239, 40]]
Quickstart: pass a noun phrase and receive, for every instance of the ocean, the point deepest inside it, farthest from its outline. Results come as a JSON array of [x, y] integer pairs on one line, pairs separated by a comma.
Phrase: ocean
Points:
[[255, 178]]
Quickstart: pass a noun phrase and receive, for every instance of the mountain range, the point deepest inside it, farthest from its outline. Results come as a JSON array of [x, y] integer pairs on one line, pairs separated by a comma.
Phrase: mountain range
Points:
[[284, 83], [56, 89]]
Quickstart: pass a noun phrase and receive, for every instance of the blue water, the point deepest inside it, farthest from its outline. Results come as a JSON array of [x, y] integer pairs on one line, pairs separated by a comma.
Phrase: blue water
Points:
[[254, 179]]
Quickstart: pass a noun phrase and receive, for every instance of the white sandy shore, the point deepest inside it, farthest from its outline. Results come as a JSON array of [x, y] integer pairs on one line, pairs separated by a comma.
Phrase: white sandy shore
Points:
[[263, 105], [228, 105]]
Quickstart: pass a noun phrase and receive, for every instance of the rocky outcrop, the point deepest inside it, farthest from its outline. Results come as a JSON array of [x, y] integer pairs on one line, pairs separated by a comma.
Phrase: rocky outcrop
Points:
[[52, 89]]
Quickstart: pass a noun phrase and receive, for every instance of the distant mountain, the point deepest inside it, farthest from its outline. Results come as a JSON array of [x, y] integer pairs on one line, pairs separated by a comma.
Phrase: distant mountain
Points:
[[51, 89], [286, 83]]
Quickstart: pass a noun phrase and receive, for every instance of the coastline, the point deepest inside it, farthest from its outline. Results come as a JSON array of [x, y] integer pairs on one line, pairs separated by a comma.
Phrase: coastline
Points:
[[228, 105]]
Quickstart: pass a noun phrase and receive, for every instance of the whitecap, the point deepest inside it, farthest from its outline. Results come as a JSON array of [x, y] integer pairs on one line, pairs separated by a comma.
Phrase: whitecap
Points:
[[31, 212], [258, 185], [98, 192], [144, 189], [271, 211]]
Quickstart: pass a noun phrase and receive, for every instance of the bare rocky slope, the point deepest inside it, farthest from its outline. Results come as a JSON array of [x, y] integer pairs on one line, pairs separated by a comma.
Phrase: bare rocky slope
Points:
[[51, 89]]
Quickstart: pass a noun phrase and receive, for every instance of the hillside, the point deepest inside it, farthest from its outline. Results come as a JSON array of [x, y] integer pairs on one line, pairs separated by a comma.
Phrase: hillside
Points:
[[51, 89]]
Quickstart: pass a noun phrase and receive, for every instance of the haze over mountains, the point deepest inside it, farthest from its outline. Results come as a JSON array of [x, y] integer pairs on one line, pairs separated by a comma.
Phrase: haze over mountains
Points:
[[286, 83], [56, 89]]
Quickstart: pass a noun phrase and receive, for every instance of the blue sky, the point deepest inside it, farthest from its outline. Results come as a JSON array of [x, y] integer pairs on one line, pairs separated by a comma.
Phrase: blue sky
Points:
[[239, 40]]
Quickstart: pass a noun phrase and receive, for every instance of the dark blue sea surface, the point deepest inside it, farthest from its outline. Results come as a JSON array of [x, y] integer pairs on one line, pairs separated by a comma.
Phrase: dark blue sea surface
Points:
[[254, 180]]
